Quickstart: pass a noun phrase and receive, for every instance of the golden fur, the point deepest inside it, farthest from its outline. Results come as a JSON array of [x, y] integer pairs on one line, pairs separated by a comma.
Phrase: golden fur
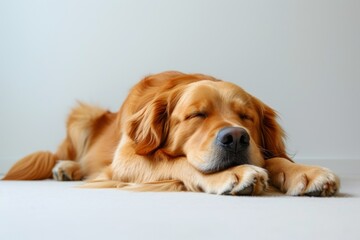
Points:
[[178, 132]]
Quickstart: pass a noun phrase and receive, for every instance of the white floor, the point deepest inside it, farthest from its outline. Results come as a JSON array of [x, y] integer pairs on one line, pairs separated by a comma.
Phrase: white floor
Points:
[[59, 210]]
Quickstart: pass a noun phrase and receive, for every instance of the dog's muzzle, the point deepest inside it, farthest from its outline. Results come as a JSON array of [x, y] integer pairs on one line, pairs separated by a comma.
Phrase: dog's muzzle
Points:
[[231, 148]]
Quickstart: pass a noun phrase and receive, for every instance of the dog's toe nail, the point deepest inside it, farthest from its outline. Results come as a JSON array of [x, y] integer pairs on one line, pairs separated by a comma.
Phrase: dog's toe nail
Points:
[[314, 194], [65, 177], [226, 193], [246, 190]]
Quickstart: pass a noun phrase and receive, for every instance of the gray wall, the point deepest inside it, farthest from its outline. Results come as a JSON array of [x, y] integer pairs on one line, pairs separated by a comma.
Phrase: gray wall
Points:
[[301, 57]]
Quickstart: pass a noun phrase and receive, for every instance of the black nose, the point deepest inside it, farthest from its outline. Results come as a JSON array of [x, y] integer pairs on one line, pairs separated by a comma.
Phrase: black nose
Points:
[[233, 139]]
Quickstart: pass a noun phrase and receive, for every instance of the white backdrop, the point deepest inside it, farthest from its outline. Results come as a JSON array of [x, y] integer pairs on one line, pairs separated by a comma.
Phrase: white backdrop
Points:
[[300, 57]]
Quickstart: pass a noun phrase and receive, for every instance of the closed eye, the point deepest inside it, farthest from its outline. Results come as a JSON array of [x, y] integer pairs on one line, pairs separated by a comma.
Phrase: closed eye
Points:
[[196, 115], [245, 117]]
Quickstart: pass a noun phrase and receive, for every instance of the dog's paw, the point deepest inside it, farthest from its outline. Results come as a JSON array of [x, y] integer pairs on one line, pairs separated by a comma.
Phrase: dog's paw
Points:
[[66, 170], [240, 180], [313, 181]]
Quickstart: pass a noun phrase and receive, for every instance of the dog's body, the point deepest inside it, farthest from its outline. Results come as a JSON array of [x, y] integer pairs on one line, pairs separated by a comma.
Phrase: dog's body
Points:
[[179, 132]]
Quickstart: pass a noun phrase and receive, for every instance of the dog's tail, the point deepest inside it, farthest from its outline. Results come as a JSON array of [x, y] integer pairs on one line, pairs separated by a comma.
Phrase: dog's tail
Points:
[[35, 166], [158, 186]]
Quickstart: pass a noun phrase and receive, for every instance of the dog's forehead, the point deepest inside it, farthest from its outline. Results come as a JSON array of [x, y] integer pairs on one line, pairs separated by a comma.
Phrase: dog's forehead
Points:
[[214, 91]]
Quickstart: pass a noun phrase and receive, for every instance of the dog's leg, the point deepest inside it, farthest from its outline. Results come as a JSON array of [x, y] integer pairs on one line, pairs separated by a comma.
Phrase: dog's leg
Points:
[[298, 179], [67, 170], [180, 175], [239, 180]]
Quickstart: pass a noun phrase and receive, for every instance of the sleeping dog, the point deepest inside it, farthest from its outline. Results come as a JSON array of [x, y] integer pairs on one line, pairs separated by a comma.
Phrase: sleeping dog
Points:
[[179, 132]]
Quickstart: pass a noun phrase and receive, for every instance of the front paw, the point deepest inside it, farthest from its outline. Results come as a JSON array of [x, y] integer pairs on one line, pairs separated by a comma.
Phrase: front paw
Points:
[[312, 181], [239, 180]]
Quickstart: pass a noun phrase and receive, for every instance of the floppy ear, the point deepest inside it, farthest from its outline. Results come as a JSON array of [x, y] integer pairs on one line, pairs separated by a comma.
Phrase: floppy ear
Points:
[[272, 135], [148, 127]]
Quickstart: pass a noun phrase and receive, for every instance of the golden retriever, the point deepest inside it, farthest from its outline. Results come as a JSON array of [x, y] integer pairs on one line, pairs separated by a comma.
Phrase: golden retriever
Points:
[[179, 132]]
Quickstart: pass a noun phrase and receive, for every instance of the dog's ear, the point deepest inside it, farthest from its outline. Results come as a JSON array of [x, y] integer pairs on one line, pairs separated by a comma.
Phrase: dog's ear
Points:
[[149, 126], [271, 133]]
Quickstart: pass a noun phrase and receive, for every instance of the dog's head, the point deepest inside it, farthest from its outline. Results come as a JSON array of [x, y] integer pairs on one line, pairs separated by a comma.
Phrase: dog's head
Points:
[[214, 124]]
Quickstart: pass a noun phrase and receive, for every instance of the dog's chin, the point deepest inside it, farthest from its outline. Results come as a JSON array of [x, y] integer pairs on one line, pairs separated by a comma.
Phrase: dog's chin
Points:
[[220, 160]]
